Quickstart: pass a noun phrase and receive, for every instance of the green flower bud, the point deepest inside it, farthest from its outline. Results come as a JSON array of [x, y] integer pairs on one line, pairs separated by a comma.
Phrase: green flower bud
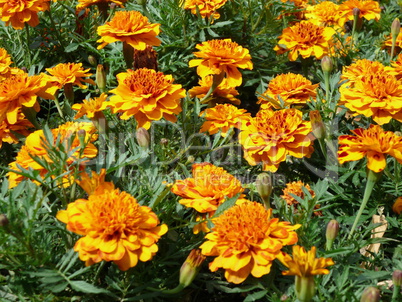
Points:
[[264, 188], [143, 138], [191, 267], [370, 294]]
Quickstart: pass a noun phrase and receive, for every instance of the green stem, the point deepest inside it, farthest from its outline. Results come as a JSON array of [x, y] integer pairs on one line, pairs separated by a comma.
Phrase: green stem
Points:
[[393, 48], [326, 82], [217, 79], [28, 52], [371, 180], [56, 101], [395, 293]]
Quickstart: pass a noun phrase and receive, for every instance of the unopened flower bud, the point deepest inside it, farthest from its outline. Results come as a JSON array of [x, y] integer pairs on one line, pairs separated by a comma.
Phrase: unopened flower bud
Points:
[[190, 159], [398, 133], [305, 288], [317, 124], [331, 233], [395, 28], [143, 138], [100, 77], [264, 188], [113, 5], [191, 267], [81, 136], [92, 60], [356, 12], [326, 64], [370, 294], [3, 220], [397, 277]]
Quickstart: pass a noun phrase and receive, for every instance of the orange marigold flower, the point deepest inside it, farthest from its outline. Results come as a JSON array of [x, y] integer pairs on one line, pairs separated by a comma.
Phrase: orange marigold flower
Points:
[[325, 13], [114, 228], [245, 240], [8, 131], [91, 183], [34, 147], [369, 10], [359, 69], [374, 143], [219, 56], [206, 8], [305, 39], [21, 90], [19, 12], [273, 135], [222, 118], [296, 188], [69, 73], [82, 4], [91, 107], [130, 27], [5, 62], [147, 95], [398, 43], [290, 88], [304, 264], [222, 94], [377, 95], [397, 207], [396, 67], [207, 189]]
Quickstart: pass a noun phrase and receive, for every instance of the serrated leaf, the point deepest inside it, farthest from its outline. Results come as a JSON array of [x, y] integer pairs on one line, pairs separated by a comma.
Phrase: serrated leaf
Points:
[[58, 287], [228, 203], [255, 296], [71, 47], [85, 287]]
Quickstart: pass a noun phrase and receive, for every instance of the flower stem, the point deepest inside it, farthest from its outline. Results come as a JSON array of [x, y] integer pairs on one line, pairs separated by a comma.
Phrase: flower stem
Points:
[[326, 82], [28, 52], [217, 79], [395, 293], [372, 178]]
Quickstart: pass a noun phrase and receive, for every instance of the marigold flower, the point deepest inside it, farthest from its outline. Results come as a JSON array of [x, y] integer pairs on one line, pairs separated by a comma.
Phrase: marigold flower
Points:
[[397, 207], [21, 90], [398, 42], [91, 107], [114, 228], [130, 27], [374, 143], [5, 65], [305, 39], [396, 67], [8, 131], [359, 69], [147, 95], [296, 188], [325, 13], [222, 118], [208, 188], [219, 56], [376, 95], [272, 135], [19, 12], [82, 4], [369, 10], [290, 88], [69, 73], [222, 94], [304, 264], [206, 8], [190, 267], [245, 240], [34, 147], [91, 183]]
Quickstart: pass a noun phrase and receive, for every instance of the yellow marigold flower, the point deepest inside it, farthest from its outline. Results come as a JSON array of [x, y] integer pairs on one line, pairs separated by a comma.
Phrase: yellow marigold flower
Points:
[[20, 90], [245, 240], [305, 39], [114, 228], [292, 89], [273, 135], [376, 95], [296, 188], [34, 147], [206, 8], [69, 73], [304, 264], [396, 67], [147, 95], [222, 94], [91, 183], [397, 207], [8, 131], [223, 117], [359, 69], [219, 56], [5, 62], [369, 10], [19, 12], [130, 27], [374, 143], [325, 13], [82, 4], [207, 189], [91, 107]]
